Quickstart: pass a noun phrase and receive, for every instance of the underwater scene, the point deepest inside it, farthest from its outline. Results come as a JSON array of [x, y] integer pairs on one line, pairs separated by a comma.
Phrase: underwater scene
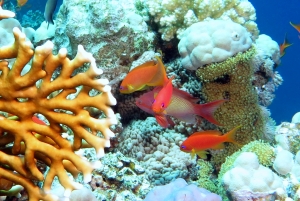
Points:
[[149, 100]]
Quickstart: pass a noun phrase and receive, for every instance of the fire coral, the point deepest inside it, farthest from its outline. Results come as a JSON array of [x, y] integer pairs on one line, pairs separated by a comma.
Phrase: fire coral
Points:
[[23, 142]]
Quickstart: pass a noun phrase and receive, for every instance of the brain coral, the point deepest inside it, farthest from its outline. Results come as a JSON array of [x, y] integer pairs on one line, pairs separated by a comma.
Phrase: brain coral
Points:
[[174, 16], [212, 41]]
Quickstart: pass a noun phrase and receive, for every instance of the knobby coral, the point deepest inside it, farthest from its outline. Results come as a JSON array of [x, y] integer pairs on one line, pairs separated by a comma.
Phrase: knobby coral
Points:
[[63, 101]]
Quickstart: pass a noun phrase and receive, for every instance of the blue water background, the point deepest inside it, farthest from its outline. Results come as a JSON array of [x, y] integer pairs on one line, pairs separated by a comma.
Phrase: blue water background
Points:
[[34, 5], [273, 19]]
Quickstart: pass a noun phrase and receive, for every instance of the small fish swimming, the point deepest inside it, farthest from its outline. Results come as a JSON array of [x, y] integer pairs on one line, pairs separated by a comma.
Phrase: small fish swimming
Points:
[[49, 10], [150, 73], [284, 45], [182, 106], [198, 142], [21, 3], [296, 26], [35, 119]]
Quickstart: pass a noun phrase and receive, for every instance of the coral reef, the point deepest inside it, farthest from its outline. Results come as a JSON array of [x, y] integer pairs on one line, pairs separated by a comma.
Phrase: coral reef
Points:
[[206, 179], [174, 16], [287, 136], [264, 153], [119, 178], [231, 79], [266, 79], [248, 180], [158, 150], [112, 31], [212, 41], [23, 141], [180, 190]]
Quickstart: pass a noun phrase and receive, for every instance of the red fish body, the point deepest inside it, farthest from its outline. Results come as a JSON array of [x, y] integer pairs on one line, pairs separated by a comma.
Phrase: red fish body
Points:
[[182, 106], [161, 102], [148, 74], [198, 142]]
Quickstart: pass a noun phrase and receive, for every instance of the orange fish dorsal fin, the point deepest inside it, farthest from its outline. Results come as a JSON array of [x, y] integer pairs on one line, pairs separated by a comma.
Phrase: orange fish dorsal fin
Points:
[[208, 132], [147, 64], [160, 77]]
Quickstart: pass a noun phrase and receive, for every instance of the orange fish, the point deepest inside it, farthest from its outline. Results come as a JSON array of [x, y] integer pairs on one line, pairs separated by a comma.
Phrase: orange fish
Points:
[[148, 74], [182, 106], [21, 3], [1, 2], [296, 26], [198, 142], [35, 119], [284, 45]]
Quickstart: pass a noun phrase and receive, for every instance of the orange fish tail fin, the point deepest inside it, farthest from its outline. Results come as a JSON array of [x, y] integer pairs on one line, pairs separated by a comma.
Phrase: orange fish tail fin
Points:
[[207, 110], [230, 136]]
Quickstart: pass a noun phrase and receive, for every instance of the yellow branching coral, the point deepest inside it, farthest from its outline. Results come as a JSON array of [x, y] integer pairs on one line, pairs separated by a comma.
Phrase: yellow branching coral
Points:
[[23, 141]]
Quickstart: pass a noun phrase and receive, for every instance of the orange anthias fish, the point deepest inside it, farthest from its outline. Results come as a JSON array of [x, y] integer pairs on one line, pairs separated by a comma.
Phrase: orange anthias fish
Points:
[[21, 3], [296, 26], [198, 142], [148, 74], [38, 121], [182, 106], [284, 45]]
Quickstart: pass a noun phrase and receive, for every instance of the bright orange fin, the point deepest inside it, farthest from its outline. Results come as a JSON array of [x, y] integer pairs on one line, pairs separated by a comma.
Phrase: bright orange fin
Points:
[[230, 136]]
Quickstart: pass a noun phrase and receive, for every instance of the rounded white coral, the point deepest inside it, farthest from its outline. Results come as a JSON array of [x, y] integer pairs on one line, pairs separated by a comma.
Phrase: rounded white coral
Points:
[[212, 41]]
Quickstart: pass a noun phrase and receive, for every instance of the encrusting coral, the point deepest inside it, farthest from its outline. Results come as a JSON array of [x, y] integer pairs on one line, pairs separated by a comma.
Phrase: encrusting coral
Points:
[[23, 142], [231, 80]]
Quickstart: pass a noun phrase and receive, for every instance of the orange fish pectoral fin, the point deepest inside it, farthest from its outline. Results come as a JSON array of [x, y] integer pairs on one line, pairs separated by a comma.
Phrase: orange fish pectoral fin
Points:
[[193, 153], [143, 87], [162, 120]]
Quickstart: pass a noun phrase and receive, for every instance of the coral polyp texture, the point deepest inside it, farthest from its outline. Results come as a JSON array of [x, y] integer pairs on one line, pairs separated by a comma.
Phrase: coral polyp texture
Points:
[[174, 16], [63, 102]]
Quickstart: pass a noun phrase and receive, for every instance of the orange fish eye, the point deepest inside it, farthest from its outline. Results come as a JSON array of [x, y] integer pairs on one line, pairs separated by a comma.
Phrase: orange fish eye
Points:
[[182, 147], [163, 105]]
